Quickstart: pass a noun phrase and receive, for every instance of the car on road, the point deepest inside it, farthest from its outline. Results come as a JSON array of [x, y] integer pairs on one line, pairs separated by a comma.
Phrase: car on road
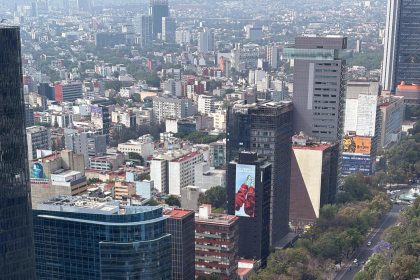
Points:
[[355, 261], [369, 243]]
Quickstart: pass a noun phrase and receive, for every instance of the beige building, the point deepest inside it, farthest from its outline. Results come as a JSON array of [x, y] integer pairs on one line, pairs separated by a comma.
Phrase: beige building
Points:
[[57, 174]]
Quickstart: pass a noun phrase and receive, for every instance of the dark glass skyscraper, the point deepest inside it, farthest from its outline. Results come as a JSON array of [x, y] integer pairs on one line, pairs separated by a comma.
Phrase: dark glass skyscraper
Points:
[[254, 232], [401, 51], [158, 10], [16, 240], [266, 128]]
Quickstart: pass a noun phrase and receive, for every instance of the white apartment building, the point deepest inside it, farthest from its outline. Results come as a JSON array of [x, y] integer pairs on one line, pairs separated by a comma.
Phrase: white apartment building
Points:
[[219, 120], [181, 171], [205, 104], [159, 174], [38, 138], [143, 146], [168, 107]]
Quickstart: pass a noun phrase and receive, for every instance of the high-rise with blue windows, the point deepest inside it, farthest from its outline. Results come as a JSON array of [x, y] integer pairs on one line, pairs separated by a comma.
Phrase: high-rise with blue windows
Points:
[[16, 241], [401, 51], [93, 238]]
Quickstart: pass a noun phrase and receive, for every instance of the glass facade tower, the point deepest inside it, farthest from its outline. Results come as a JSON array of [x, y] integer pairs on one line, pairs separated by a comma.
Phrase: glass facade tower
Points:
[[16, 240], [401, 51], [90, 238], [158, 9], [266, 128]]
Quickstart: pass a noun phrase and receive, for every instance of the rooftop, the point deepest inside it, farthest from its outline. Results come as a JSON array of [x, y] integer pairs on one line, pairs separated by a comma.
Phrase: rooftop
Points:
[[312, 146], [186, 157], [177, 213]]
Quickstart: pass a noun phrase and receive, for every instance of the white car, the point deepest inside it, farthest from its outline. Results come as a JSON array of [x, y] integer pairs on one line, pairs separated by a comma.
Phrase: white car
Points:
[[369, 243], [355, 261]]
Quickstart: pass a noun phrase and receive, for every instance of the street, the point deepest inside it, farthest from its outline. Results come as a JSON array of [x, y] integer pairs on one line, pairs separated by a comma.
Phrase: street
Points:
[[362, 254]]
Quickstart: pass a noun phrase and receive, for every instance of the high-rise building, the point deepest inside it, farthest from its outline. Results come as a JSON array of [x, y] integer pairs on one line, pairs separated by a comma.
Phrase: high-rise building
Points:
[[248, 196], [319, 86], [16, 241], [68, 91], [313, 180], [157, 10], [168, 29], [361, 127], [401, 53], [143, 28], [90, 238], [90, 144], [38, 138], [392, 116], [180, 225], [169, 107], [205, 41], [266, 128], [181, 171], [216, 244]]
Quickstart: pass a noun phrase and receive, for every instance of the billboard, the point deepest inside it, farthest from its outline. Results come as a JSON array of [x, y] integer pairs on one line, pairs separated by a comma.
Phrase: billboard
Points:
[[245, 190], [37, 171], [357, 145]]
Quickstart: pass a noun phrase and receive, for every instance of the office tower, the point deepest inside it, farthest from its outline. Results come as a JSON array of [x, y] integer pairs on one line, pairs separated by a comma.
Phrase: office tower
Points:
[[180, 225], [401, 52], [68, 91], [29, 115], [253, 33], [101, 119], [46, 90], [157, 10], [220, 233], [266, 128], [84, 5], [248, 195], [392, 116], [319, 86], [205, 41], [273, 56], [168, 29], [38, 138], [143, 28], [313, 181], [90, 238], [89, 143], [218, 154], [16, 241], [361, 127]]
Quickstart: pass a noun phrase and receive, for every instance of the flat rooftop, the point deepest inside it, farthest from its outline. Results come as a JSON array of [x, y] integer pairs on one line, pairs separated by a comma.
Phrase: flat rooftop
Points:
[[218, 219], [177, 213]]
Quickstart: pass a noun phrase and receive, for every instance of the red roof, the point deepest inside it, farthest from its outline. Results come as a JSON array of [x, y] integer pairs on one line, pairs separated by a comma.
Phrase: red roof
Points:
[[317, 147]]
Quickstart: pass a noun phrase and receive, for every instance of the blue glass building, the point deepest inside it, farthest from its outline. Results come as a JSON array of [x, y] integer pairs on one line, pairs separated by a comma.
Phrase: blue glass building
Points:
[[90, 238]]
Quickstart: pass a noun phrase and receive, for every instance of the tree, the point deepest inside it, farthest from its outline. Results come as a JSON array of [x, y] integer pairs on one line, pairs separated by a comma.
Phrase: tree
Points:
[[173, 201], [136, 156], [152, 202], [405, 267], [215, 196]]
